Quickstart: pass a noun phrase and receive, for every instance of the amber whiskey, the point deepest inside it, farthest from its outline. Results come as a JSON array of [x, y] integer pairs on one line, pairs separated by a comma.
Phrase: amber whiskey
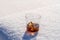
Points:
[[32, 28]]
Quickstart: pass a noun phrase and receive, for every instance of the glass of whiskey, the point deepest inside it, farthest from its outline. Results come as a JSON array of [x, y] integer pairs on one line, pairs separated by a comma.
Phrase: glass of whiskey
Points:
[[32, 24]]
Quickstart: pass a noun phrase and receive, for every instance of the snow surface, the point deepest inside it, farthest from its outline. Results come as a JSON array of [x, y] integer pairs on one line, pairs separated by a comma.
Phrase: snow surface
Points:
[[13, 22]]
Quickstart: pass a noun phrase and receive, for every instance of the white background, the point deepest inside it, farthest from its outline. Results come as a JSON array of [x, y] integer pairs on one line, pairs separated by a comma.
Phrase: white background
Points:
[[12, 15]]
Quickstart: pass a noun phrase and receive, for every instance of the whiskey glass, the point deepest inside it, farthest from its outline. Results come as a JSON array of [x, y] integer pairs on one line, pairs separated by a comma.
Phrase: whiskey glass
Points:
[[32, 23]]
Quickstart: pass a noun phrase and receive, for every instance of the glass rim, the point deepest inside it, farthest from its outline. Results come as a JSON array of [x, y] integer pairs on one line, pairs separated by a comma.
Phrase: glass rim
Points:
[[32, 15]]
